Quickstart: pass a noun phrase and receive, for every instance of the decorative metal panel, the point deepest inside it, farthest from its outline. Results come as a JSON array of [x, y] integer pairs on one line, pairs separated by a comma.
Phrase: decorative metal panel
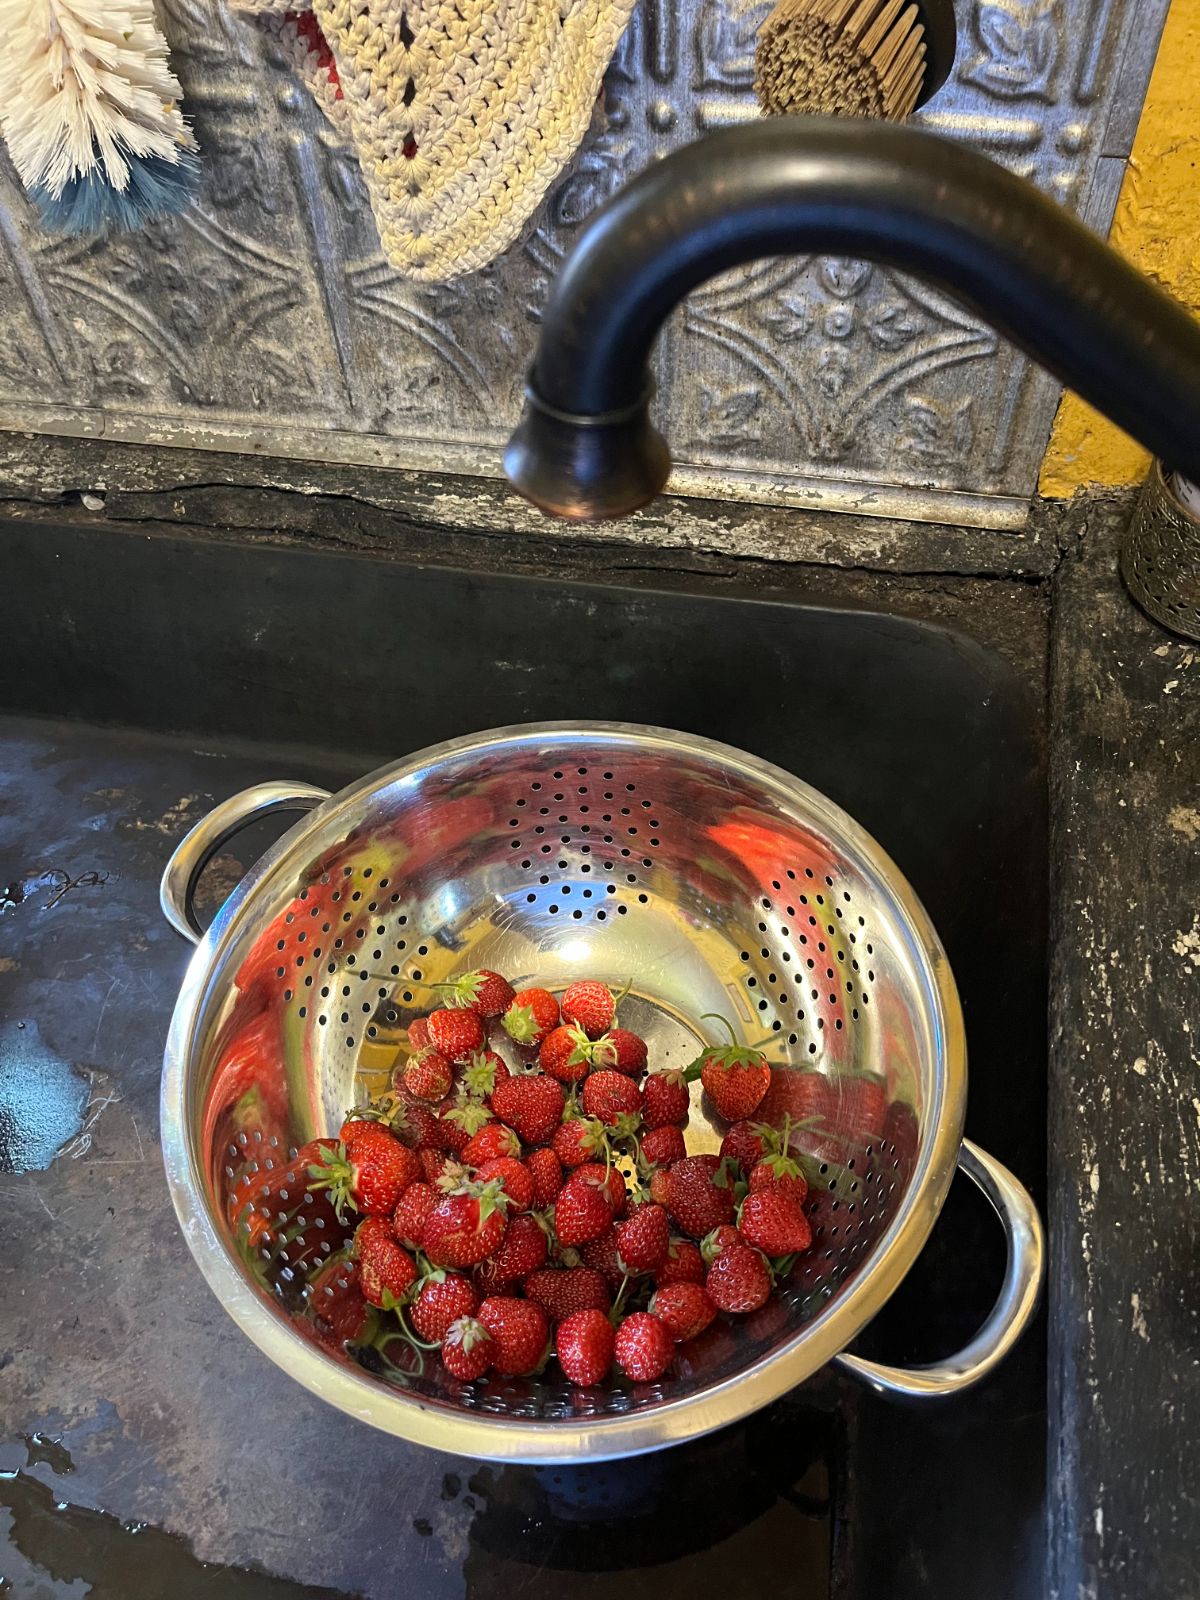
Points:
[[266, 319]]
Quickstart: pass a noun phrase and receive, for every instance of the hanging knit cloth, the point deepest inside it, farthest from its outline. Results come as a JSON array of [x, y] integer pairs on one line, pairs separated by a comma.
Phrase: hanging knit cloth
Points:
[[462, 112]]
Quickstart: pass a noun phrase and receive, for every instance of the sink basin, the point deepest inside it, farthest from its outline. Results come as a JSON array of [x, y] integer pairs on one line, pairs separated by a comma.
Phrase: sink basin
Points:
[[177, 670]]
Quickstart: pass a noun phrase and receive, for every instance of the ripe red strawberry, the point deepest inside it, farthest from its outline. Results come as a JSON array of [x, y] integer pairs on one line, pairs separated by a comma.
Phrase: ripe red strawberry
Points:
[[566, 1054], [695, 1199], [490, 1142], [610, 1180], [352, 1127], [385, 1271], [521, 1331], [417, 1126], [419, 1035], [485, 993], [530, 1016], [522, 1251], [735, 1078], [442, 1299], [738, 1280], [408, 1219], [662, 1147], [660, 1185], [483, 1072], [643, 1240], [584, 1346], [773, 1222], [590, 1005], [622, 1051], [457, 1034], [546, 1170], [370, 1174], [428, 1075], [643, 1347], [665, 1099], [467, 1349], [582, 1211], [579, 1139], [683, 1264], [781, 1173], [464, 1229], [561, 1292], [611, 1096], [721, 1238], [531, 1103], [684, 1309], [602, 1257], [336, 1302], [433, 1164], [516, 1178], [747, 1143]]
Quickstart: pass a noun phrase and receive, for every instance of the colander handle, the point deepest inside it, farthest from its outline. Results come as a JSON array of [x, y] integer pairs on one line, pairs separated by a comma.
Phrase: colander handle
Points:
[[197, 848], [1015, 1304]]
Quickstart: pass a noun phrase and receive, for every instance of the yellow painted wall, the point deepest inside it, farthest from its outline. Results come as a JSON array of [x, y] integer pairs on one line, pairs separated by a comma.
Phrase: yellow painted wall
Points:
[[1157, 226]]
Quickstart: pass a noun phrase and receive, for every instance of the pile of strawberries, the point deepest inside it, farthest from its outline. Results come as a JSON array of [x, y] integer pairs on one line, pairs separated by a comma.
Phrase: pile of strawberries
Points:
[[494, 1224]]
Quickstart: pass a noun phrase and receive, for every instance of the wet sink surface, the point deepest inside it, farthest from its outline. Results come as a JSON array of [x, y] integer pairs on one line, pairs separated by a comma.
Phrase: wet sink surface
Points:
[[176, 672]]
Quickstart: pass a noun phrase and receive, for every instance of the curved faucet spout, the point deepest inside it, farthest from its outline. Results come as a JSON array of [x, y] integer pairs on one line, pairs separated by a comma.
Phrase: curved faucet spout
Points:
[[586, 447]]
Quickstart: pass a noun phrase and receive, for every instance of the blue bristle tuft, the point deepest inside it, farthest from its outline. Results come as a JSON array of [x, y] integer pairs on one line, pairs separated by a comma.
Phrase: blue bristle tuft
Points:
[[157, 188]]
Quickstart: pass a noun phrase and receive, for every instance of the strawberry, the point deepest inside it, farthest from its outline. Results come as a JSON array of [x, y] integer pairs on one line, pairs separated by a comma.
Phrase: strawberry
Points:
[[530, 1016], [610, 1180], [415, 1125], [601, 1256], [566, 1054], [579, 1139], [738, 1280], [747, 1143], [660, 1185], [622, 1051], [643, 1347], [662, 1147], [370, 1174], [561, 1292], [336, 1302], [459, 1123], [546, 1171], [441, 1300], [483, 1072], [419, 1035], [464, 1229], [516, 1178], [781, 1173], [352, 1127], [684, 1309], [457, 1034], [522, 1251], [610, 1095], [467, 1349], [665, 1099], [433, 1164], [428, 1075], [485, 993], [773, 1222], [643, 1240], [721, 1238], [734, 1076], [408, 1219], [531, 1103], [683, 1263], [584, 1344], [521, 1331], [489, 1143], [590, 1005], [695, 1198], [385, 1270], [582, 1211]]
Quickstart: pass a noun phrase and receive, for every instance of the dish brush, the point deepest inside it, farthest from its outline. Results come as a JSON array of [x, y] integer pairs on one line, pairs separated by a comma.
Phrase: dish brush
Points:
[[89, 109]]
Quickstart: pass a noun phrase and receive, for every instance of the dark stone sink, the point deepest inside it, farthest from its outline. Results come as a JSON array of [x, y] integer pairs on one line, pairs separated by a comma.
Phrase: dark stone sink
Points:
[[175, 671]]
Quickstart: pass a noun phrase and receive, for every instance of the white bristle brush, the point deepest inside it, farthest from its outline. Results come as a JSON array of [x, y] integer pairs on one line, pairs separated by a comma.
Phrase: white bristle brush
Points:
[[89, 109]]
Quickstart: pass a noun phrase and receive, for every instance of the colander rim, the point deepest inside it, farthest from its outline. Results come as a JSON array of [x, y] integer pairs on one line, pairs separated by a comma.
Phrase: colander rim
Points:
[[495, 1437]]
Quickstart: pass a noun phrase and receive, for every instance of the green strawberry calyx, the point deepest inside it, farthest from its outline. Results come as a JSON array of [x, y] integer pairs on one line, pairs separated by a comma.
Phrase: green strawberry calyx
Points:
[[469, 1114], [332, 1170], [733, 1057], [521, 1024], [462, 991], [479, 1075]]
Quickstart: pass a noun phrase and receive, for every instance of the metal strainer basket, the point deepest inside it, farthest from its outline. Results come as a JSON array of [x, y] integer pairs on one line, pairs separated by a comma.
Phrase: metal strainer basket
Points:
[[719, 884]]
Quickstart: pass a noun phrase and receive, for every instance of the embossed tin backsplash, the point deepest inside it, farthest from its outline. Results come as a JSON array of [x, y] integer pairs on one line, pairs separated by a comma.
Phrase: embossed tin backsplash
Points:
[[267, 320]]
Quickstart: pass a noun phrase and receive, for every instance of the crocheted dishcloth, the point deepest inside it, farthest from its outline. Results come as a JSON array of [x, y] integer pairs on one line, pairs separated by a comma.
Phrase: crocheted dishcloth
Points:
[[462, 113]]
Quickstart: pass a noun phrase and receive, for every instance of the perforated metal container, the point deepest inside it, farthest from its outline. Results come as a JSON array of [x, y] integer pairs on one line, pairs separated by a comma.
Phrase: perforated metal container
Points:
[[719, 884]]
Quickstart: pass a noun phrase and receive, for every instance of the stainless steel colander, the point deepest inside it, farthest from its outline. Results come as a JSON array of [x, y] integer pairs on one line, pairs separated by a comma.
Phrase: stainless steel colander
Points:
[[718, 883]]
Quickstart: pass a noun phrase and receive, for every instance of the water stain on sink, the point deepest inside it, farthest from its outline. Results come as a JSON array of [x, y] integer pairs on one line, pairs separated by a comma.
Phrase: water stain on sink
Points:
[[42, 1100]]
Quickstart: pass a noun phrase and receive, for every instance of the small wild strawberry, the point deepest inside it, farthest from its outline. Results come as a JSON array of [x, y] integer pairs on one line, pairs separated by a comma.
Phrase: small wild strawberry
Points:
[[467, 1349], [456, 1034], [643, 1347], [531, 1103], [734, 1076], [566, 1054], [773, 1222], [385, 1271], [370, 1175], [747, 1143], [521, 1252], [546, 1170], [603, 1257], [665, 1099], [781, 1173], [683, 1263], [684, 1309], [413, 1207], [662, 1147], [589, 1004], [578, 1140], [520, 1330], [490, 1142], [738, 1280], [644, 1238], [459, 1124], [428, 1075], [622, 1051], [441, 1300], [530, 1016], [582, 1211], [516, 1178], [609, 1095], [563, 1291], [418, 1033], [584, 1345], [695, 1197], [485, 993], [721, 1238], [609, 1179], [464, 1229]]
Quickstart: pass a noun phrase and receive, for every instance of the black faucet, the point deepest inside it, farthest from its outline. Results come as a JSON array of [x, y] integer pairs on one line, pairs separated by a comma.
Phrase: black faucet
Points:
[[585, 446]]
